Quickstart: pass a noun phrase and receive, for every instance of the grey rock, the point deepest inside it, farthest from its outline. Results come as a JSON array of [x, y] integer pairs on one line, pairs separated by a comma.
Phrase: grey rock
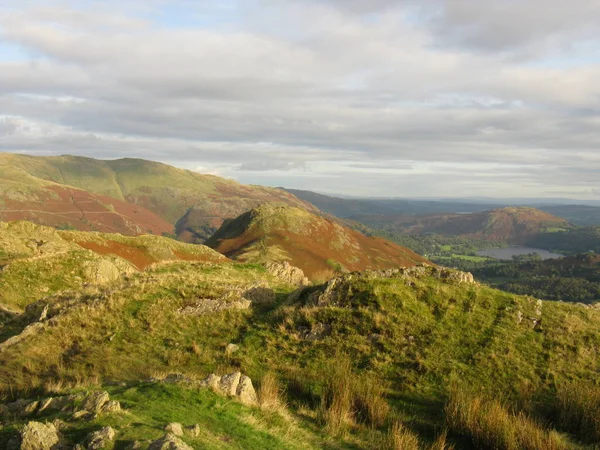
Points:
[[175, 428], [40, 436], [169, 442], [94, 402], [100, 439], [229, 383], [286, 272], [245, 391], [111, 406]]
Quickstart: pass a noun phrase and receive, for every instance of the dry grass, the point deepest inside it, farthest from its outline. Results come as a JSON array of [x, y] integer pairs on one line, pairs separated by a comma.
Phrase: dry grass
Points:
[[489, 424], [270, 393], [400, 438], [350, 398], [578, 410]]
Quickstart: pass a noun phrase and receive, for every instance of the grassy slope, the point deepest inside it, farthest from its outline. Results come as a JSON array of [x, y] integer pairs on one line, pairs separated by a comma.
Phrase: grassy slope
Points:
[[39, 261], [415, 336], [162, 189], [319, 246]]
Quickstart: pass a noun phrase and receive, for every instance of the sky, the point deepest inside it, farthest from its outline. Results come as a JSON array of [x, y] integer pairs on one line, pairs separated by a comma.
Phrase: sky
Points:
[[404, 98]]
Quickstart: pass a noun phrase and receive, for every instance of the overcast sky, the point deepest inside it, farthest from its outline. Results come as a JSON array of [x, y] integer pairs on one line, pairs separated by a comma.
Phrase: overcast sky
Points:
[[362, 97]]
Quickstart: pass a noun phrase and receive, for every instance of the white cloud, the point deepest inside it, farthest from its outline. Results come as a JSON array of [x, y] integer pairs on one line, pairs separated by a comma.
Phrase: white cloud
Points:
[[275, 92]]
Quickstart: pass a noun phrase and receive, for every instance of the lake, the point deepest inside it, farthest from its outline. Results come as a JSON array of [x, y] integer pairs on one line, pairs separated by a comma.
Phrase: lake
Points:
[[509, 252]]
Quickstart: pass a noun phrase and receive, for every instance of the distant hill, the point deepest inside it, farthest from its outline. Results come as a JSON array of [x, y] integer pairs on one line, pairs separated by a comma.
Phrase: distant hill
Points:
[[513, 224], [26, 197], [197, 203], [319, 246]]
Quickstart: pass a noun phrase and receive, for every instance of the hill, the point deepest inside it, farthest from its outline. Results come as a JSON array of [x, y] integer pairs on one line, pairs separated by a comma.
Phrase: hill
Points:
[[516, 225], [383, 359], [197, 203], [319, 246], [25, 197], [37, 261]]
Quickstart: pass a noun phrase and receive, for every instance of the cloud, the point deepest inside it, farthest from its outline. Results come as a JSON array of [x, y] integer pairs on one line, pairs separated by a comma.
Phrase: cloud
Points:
[[426, 98]]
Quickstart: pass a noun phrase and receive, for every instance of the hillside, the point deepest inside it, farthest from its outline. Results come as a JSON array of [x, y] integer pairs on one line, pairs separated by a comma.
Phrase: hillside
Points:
[[319, 246], [378, 360], [25, 197], [197, 203], [37, 261], [516, 225]]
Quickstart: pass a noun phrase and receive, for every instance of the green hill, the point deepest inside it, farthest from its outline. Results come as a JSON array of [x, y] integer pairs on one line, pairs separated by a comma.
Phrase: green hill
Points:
[[378, 359], [197, 203]]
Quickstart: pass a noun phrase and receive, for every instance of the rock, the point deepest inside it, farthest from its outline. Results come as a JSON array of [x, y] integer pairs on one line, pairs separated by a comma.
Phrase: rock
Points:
[[317, 332], [245, 391], [169, 442], [100, 439], [39, 436], [44, 314], [29, 330], [111, 406], [286, 272], [193, 430], [94, 402], [231, 349], [211, 305], [229, 383], [519, 317], [175, 428], [212, 381], [22, 407], [103, 271], [80, 414], [45, 404]]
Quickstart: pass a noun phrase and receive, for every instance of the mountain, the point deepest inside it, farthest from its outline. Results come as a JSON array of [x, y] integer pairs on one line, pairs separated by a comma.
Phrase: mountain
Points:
[[516, 225], [23, 196], [319, 246], [380, 359], [197, 204], [351, 207]]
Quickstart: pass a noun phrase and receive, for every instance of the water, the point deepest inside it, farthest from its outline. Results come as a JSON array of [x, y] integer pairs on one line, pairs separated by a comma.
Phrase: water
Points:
[[509, 252]]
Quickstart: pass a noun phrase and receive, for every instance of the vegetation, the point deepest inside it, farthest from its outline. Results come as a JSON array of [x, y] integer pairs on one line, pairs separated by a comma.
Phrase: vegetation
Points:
[[369, 361]]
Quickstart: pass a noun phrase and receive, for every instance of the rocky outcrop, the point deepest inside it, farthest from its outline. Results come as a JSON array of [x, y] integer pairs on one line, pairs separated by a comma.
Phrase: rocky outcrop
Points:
[[232, 385], [169, 442], [288, 273], [103, 271], [338, 291], [40, 436], [211, 306], [100, 439]]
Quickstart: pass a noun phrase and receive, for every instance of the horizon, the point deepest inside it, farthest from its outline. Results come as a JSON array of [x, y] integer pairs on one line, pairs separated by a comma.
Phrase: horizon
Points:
[[381, 100]]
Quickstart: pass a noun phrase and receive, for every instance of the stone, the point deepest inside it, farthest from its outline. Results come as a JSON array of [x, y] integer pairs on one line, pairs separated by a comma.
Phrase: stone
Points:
[[95, 401], [100, 439], [193, 430], [175, 428], [169, 442], [245, 391], [23, 407], [288, 273], [39, 436], [80, 414], [111, 406], [229, 383], [231, 349], [212, 381]]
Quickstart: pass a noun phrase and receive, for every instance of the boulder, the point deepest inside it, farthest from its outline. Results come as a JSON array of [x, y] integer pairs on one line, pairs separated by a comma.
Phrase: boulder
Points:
[[111, 406], [94, 402], [229, 383], [175, 428], [40, 436], [286, 272], [169, 442], [100, 439], [245, 391]]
